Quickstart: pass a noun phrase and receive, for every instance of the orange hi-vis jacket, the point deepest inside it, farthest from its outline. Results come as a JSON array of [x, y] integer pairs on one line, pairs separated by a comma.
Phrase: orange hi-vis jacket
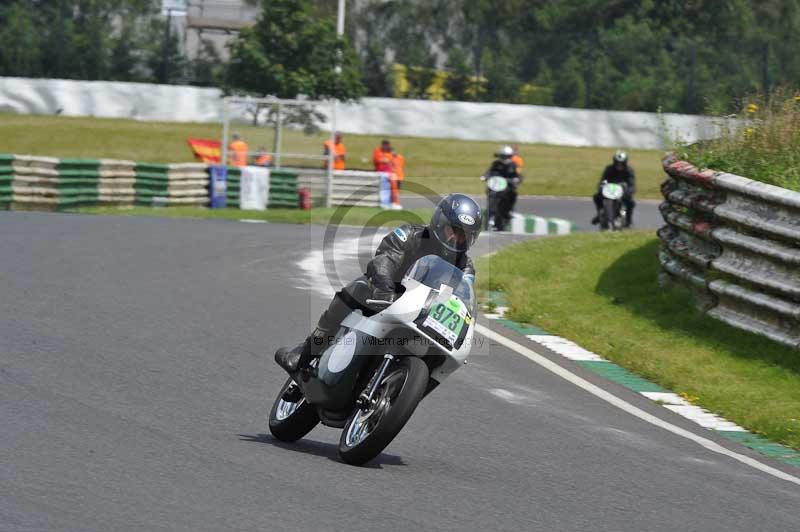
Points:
[[339, 154], [238, 153], [399, 164], [382, 160], [518, 161]]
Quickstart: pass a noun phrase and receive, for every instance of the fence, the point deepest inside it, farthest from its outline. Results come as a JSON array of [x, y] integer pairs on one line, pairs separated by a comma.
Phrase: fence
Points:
[[46, 183], [736, 243], [349, 187], [369, 116]]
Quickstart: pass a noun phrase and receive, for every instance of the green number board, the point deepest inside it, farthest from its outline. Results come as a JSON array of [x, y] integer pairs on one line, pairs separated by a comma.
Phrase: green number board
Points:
[[448, 318]]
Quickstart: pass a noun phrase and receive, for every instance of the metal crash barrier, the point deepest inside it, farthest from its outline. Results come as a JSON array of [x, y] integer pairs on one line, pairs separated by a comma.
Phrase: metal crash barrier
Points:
[[736, 243]]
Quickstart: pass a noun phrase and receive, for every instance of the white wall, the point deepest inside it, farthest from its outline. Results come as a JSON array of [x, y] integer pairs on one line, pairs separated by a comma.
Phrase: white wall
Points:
[[379, 116]]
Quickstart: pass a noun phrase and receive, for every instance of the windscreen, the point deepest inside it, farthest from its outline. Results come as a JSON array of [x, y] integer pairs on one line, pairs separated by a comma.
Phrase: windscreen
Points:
[[434, 271]]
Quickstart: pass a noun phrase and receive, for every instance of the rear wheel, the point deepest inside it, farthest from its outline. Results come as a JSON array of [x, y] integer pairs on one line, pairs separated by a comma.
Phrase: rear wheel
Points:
[[291, 420], [370, 430]]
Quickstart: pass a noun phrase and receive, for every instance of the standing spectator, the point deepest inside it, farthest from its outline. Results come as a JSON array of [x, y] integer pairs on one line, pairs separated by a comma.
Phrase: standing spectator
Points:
[[516, 158], [339, 152], [237, 151]]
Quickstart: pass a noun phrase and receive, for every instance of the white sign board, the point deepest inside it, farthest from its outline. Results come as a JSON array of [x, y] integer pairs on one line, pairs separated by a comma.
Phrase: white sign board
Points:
[[176, 8], [254, 188]]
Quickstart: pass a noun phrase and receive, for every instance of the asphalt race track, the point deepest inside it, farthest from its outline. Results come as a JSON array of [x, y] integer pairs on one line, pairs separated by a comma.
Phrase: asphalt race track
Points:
[[579, 210], [136, 376]]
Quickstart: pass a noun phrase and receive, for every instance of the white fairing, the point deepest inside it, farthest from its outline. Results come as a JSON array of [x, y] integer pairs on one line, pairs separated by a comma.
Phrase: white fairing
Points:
[[401, 314], [497, 183], [613, 191], [342, 353]]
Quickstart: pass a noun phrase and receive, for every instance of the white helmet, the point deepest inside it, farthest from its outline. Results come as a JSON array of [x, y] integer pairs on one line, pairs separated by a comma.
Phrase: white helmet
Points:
[[621, 157], [505, 152]]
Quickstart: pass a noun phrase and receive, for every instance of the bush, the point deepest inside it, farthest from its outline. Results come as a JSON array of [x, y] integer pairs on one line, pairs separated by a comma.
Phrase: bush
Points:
[[764, 144]]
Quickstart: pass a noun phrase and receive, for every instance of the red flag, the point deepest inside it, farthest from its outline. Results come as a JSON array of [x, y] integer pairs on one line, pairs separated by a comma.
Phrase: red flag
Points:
[[206, 150]]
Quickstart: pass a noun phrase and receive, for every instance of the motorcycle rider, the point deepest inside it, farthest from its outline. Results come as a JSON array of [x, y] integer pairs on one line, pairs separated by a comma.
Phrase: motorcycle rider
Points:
[[453, 229], [504, 166], [619, 171]]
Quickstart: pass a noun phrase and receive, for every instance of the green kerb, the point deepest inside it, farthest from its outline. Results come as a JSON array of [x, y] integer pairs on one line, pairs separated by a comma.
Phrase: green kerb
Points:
[[620, 375]]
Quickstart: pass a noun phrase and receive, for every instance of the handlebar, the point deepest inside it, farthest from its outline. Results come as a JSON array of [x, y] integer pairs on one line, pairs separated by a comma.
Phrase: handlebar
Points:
[[378, 302]]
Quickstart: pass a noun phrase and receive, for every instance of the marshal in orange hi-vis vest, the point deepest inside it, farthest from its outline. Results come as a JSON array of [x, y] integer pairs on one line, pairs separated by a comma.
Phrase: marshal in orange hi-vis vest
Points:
[[237, 152], [339, 154]]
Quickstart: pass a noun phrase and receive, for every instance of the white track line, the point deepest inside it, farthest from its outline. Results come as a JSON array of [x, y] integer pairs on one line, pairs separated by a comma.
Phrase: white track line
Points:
[[629, 408]]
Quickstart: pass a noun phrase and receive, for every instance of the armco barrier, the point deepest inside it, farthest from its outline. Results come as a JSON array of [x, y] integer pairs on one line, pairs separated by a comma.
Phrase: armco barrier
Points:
[[46, 183], [736, 243], [116, 183], [6, 179], [350, 187]]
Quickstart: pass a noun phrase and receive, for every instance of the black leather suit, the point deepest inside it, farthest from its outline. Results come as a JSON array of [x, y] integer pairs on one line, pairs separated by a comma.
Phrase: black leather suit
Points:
[[397, 252], [624, 176], [510, 172]]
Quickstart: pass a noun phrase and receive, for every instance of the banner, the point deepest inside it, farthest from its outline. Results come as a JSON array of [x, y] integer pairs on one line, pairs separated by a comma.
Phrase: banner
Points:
[[254, 188], [206, 150], [217, 186]]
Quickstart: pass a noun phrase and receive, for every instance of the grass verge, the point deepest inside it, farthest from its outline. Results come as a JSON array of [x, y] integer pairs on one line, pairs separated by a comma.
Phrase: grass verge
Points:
[[765, 147], [363, 216], [442, 164], [601, 291]]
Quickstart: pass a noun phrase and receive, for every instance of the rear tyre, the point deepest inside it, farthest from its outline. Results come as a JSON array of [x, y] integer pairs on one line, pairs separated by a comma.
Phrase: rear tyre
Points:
[[290, 421], [369, 431]]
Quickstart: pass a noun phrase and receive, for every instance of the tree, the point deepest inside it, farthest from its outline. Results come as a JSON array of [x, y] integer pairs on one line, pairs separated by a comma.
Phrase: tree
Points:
[[19, 55], [207, 69], [291, 52], [503, 82], [458, 80], [570, 89]]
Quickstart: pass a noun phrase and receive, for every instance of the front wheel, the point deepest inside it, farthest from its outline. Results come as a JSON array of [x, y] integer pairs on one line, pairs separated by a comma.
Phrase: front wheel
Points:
[[370, 430], [491, 212], [291, 420], [610, 214]]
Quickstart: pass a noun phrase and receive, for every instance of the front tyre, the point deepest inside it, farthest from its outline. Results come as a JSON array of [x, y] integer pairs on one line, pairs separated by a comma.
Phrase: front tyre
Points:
[[491, 212], [290, 421], [609, 211], [370, 430]]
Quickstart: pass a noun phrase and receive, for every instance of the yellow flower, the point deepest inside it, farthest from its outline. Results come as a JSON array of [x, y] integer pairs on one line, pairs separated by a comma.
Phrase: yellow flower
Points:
[[752, 108]]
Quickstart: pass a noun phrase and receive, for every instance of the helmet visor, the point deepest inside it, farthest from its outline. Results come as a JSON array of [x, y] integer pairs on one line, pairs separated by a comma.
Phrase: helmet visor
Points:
[[455, 237], [451, 236]]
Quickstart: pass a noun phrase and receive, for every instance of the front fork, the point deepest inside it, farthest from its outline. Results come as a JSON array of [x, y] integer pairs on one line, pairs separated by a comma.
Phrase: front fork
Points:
[[365, 398]]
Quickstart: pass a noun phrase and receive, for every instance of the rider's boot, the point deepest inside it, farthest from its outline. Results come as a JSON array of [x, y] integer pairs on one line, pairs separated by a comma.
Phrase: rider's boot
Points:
[[289, 357], [629, 217], [299, 357]]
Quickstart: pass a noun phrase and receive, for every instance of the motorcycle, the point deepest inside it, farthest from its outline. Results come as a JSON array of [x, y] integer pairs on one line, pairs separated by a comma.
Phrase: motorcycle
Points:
[[384, 359], [498, 192], [614, 212]]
